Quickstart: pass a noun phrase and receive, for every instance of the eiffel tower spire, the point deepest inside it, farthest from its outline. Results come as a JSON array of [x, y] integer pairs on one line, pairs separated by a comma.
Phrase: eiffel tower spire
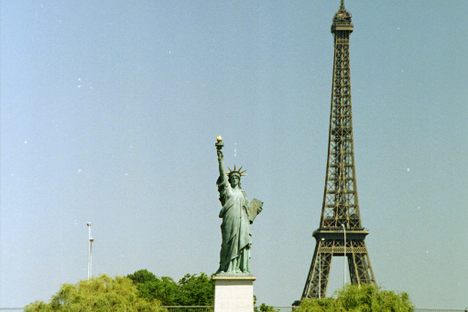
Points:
[[340, 232]]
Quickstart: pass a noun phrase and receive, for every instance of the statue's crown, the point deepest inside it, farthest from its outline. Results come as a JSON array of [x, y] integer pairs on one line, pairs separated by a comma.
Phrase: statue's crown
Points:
[[237, 171]]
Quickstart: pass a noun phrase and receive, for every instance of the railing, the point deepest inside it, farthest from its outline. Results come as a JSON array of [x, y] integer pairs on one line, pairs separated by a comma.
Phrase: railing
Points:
[[283, 309], [279, 309], [189, 308], [440, 310]]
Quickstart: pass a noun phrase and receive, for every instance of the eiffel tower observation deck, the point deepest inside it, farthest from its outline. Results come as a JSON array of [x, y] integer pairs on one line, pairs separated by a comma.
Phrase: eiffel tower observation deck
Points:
[[340, 232]]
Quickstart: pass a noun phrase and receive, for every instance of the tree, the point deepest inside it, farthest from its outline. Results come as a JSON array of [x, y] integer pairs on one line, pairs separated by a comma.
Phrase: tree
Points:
[[364, 298], [265, 308], [100, 294], [142, 276], [196, 290], [318, 305], [191, 289], [38, 306], [151, 287]]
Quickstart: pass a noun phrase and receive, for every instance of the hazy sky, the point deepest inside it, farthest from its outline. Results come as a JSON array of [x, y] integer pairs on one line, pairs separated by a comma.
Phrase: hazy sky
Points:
[[109, 112]]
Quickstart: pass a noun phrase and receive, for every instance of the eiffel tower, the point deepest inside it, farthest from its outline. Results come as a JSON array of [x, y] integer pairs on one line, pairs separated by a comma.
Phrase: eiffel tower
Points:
[[340, 232]]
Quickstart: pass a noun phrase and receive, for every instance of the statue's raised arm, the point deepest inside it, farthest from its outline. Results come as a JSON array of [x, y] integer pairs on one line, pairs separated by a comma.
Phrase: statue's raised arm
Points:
[[219, 150]]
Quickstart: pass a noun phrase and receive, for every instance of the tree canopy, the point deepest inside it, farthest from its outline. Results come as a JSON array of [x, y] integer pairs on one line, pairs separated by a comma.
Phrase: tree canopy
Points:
[[364, 298], [190, 290], [101, 294], [143, 291]]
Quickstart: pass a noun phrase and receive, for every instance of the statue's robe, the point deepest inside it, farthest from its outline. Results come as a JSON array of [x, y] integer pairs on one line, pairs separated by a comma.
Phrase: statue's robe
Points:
[[235, 229]]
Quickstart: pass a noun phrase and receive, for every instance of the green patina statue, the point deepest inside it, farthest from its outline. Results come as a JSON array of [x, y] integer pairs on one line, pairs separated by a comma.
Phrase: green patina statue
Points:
[[237, 214]]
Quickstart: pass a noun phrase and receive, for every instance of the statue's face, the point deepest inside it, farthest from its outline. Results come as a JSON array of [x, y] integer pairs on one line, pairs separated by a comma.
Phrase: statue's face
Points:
[[234, 180]]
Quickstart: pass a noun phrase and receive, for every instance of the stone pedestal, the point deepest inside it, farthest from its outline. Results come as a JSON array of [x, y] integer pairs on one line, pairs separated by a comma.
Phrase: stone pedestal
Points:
[[233, 293]]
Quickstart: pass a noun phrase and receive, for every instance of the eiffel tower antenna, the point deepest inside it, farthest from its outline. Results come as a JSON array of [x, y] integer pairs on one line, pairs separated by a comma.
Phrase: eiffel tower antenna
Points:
[[340, 232]]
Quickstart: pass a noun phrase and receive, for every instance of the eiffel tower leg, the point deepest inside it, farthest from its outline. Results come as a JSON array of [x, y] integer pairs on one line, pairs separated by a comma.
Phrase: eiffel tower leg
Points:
[[317, 280], [326, 261], [360, 269]]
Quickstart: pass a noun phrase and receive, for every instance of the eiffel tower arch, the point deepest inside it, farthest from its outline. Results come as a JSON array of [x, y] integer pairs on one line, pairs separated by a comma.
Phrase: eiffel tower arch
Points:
[[341, 233]]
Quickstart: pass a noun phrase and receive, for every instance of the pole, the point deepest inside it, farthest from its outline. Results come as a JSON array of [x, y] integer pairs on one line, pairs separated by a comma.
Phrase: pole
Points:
[[344, 255], [90, 250], [91, 257]]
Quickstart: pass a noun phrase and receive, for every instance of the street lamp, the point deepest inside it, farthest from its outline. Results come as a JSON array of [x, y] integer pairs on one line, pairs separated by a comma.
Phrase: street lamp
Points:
[[344, 261], [90, 251]]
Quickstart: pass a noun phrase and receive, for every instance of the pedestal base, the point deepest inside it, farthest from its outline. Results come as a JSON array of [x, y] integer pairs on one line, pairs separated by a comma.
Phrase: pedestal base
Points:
[[233, 293]]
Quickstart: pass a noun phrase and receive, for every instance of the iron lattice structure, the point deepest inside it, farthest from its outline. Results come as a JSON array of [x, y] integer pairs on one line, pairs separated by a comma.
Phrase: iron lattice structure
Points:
[[340, 232]]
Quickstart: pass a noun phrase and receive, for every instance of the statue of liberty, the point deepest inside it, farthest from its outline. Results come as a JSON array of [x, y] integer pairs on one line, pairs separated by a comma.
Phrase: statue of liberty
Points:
[[237, 214]]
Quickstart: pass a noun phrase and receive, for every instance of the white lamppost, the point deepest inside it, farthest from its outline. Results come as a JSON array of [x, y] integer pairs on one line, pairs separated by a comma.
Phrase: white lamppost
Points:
[[90, 251], [345, 256], [320, 268]]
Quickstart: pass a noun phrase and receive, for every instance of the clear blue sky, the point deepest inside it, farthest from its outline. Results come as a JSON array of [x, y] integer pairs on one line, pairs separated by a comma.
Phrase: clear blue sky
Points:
[[109, 110]]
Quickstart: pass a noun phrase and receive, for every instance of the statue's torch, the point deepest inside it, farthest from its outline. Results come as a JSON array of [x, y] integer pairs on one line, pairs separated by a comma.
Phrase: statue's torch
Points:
[[219, 143]]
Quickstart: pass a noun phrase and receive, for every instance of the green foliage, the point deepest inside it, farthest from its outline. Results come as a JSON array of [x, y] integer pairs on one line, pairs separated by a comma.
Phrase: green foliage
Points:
[[318, 305], [265, 308], [100, 294], [142, 276], [151, 287], [196, 290], [38, 306], [364, 298], [189, 291]]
